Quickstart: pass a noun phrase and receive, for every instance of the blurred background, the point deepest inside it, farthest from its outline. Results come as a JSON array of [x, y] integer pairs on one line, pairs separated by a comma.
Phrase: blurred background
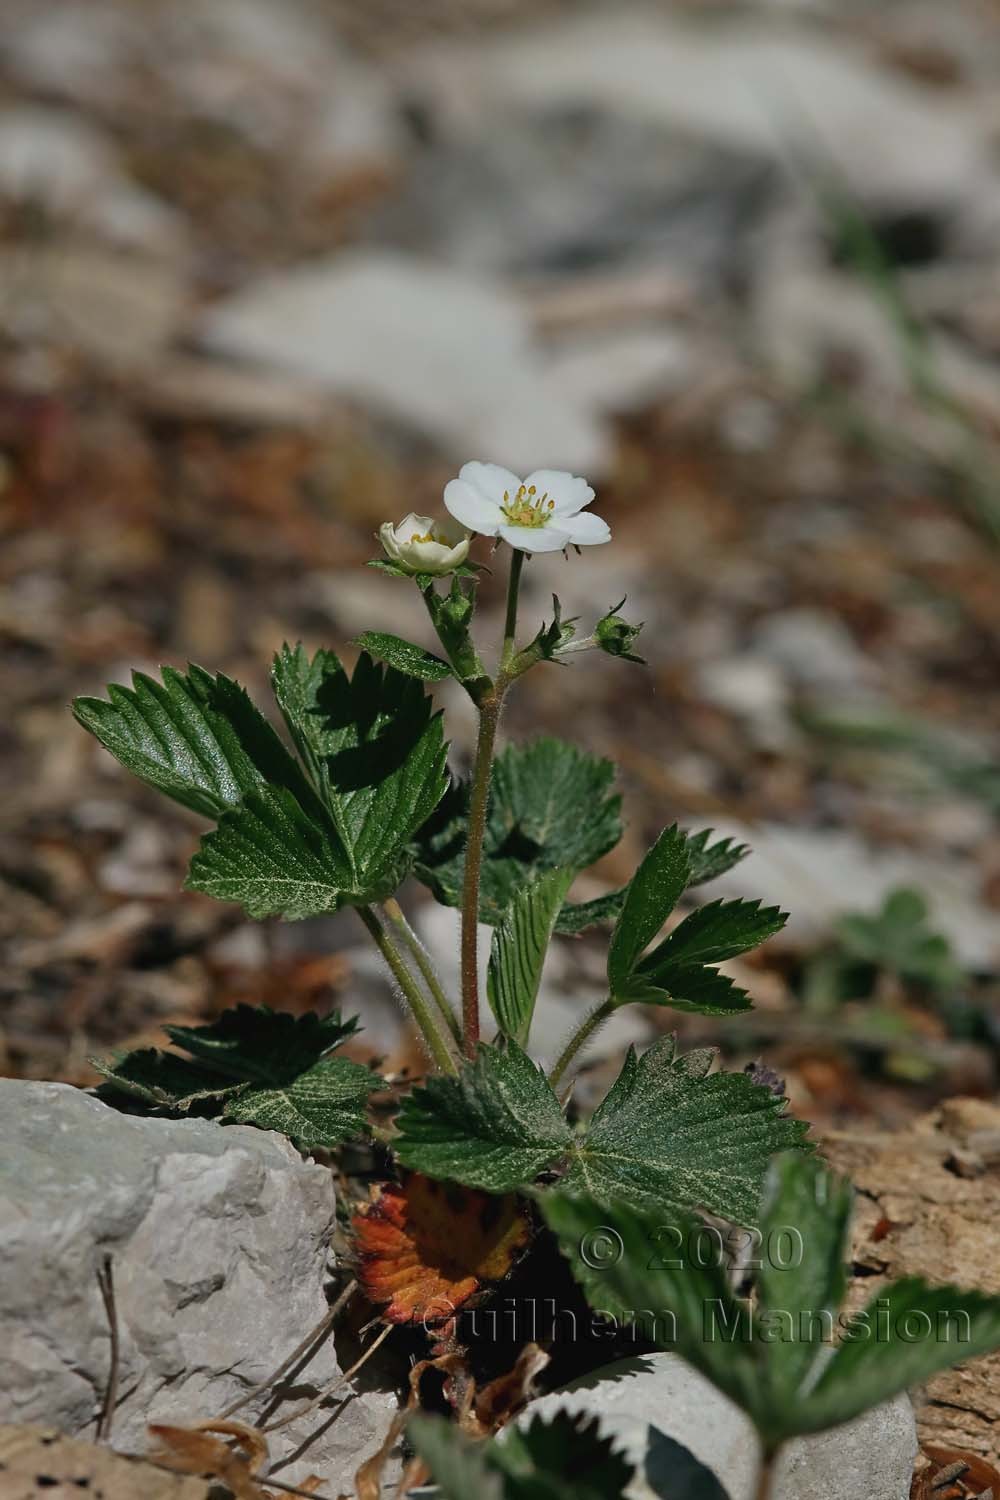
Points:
[[270, 270]]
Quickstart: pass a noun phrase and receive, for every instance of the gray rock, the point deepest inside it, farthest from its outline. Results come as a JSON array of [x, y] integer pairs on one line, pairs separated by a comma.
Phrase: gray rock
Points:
[[870, 1458], [448, 355], [218, 1238]]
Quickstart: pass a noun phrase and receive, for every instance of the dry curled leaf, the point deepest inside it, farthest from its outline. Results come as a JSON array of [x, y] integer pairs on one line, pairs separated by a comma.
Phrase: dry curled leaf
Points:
[[193, 1450], [425, 1247], [954, 1475], [39, 1463]]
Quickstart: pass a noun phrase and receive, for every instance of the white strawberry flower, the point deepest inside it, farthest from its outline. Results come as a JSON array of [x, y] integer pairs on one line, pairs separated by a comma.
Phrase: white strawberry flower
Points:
[[543, 513], [423, 545]]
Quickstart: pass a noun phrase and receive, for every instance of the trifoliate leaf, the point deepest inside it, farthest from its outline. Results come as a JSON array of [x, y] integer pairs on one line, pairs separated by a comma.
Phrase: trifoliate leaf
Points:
[[260, 1068], [802, 1277], [494, 1126], [711, 934], [405, 656], [560, 1458], [196, 737], [653, 892], [670, 1133], [551, 806], [518, 953], [423, 1248], [674, 1277], [376, 750]]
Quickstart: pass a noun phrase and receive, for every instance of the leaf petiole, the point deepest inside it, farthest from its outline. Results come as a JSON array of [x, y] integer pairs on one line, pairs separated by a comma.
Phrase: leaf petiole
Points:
[[580, 1037], [437, 1042], [425, 964]]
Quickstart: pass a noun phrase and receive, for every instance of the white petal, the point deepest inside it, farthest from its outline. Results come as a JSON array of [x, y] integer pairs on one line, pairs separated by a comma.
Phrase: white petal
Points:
[[446, 529], [569, 493], [534, 538], [413, 525], [586, 529], [491, 480], [387, 536], [429, 556], [471, 508]]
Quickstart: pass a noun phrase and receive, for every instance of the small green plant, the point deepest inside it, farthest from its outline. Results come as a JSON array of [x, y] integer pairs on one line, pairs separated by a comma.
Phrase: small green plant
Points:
[[897, 943], [361, 798]]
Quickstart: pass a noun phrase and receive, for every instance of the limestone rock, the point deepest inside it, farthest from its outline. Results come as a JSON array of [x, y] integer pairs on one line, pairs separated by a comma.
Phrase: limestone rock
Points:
[[218, 1240]]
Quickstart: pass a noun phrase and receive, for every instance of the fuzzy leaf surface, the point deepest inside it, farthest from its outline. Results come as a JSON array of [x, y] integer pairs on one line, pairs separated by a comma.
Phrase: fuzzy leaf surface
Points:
[[195, 737], [494, 1126], [710, 935], [653, 892], [519, 946], [551, 806], [407, 657], [670, 1133]]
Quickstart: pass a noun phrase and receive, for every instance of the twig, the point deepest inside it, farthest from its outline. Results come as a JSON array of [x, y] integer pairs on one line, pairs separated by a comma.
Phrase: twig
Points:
[[335, 1385], [106, 1283], [325, 1323]]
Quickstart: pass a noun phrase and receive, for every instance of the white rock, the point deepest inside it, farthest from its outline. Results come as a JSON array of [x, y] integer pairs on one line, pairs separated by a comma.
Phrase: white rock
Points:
[[870, 1458], [815, 649], [447, 354], [219, 1242], [817, 874]]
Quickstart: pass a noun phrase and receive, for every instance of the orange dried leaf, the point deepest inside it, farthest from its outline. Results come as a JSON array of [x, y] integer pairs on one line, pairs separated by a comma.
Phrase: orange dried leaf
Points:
[[425, 1247]]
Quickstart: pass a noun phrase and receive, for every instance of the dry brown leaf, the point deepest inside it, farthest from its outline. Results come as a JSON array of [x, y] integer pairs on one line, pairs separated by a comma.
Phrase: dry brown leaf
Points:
[[193, 1450], [504, 1397], [425, 1247], [39, 1463]]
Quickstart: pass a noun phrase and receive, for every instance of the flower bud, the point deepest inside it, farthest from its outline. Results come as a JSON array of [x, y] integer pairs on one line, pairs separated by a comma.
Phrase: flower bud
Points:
[[616, 636], [422, 545]]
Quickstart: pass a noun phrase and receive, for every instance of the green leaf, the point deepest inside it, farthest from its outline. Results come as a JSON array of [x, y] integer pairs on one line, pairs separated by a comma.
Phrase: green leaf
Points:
[[262, 1068], [518, 952], [318, 1108], [560, 1458], [275, 861], [257, 1044], [161, 1079], [668, 1133], [673, 1473], [900, 1339], [551, 806], [711, 860], [653, 892], [669, 1276], [376, 750], [196, 737], [703, 991], [494, 1126], [576, 915], [711, 934], [802, 1276], [405, 656]]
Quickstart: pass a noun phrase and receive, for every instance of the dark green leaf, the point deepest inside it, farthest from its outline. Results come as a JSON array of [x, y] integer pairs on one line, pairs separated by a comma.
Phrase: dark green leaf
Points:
[[405, 656], [495, 1126], [673, 1473], [196, 737], [703, 991], [652, 894], [319, 1108], [551, 806], [258, 1045], [576, 915], [518, 953], [561, 1458], [162, 1079], [668, 1133], [376, 750], [900, 1339], [710, 860], [713, 933], [802, 1276], [263, 1068], [687, 1291]]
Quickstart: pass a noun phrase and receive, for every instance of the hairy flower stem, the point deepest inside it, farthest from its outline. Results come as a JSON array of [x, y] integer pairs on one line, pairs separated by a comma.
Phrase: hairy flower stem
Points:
[[425, 964], [436, 1041], [581, 1036], [489, 721]]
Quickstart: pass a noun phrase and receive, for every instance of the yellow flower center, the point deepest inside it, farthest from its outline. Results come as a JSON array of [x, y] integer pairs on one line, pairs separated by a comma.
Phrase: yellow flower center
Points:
[[429, 537], [527, 508]]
